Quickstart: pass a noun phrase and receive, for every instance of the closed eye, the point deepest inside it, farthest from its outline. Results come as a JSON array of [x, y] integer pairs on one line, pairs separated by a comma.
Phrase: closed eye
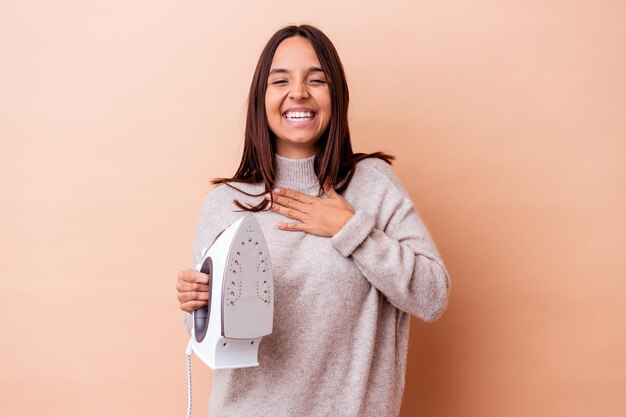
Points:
[[311, 81]]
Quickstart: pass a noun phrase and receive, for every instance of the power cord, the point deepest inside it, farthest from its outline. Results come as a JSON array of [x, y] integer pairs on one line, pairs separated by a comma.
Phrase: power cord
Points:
[[188, 354]]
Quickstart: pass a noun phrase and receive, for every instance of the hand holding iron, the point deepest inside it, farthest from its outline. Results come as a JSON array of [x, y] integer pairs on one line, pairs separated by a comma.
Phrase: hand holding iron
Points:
[[318, 216], [193, 289]]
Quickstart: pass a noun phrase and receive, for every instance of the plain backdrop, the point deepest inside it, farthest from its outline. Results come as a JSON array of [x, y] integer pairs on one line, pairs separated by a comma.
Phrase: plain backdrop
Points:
[[508, 121]]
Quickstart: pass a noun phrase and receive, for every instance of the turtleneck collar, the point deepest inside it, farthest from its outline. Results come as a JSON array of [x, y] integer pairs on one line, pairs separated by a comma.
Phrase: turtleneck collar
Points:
[[295, 173]]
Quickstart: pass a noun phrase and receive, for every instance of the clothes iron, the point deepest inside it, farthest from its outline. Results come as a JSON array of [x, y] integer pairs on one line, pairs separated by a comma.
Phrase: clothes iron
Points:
[[227, 332]]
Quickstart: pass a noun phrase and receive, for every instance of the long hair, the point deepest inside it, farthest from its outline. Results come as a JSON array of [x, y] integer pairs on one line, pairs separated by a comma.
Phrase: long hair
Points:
[[334, 160]]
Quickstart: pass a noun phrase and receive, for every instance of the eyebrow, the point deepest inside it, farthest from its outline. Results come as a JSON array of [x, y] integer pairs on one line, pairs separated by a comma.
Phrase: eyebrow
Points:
[[283, 70]]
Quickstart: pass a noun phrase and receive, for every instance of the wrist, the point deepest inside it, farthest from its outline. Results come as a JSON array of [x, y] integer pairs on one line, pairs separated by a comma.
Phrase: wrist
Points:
[[344, 220]]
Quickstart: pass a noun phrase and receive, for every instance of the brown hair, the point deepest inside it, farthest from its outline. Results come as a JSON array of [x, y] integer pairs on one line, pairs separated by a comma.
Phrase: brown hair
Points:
[[334, 160]]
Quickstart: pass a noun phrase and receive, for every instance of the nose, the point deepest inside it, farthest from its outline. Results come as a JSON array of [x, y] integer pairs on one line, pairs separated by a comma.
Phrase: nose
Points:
[[299, 91]]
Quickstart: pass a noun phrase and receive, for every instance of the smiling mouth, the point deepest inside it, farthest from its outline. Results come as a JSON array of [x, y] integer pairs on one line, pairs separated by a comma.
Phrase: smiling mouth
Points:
[[299, 116]]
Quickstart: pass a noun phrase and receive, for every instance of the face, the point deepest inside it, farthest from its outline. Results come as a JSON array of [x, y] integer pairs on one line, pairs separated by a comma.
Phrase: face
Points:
[[297, 99]]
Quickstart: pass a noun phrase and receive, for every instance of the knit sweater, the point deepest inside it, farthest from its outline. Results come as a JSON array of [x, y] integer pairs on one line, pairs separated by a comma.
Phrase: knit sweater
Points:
[[341, 303]]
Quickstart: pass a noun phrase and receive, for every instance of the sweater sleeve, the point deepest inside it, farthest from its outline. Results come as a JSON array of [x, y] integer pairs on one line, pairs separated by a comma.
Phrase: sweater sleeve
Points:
[[402, 261], [202, 226]]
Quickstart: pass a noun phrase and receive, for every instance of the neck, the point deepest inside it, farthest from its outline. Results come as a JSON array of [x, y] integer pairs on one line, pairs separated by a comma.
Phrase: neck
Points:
[[295, 173]]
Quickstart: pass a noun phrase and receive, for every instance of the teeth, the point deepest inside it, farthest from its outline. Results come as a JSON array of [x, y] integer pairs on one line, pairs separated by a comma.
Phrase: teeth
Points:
[[299, 115]]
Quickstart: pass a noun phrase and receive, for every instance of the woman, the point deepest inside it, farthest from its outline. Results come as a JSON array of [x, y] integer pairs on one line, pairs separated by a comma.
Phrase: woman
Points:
[[351, 257]]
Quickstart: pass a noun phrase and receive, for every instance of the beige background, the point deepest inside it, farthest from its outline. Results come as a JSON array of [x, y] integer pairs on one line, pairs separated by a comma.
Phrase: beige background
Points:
[[508, 120]]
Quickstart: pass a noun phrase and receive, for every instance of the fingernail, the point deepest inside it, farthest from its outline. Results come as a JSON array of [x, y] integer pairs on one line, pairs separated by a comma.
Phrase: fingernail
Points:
[[267, 196], [277, 190]]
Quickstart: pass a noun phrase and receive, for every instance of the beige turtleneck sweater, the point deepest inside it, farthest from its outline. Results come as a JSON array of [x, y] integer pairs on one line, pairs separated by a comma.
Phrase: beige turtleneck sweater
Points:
[[342, 304]]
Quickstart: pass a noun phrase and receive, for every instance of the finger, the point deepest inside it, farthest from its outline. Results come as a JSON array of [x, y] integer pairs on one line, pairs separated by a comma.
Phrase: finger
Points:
[[292, 226], [184, 286], [330, 190], [193, 296], [289, 212], [292, 203], [296, 195], [190, 306], [191, 275]]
